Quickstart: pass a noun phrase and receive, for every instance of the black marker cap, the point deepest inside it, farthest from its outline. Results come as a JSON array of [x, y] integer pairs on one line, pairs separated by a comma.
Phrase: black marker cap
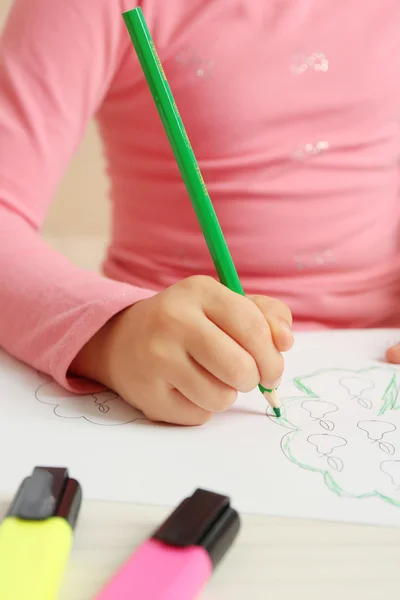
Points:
[[48, 492], [205, 519]]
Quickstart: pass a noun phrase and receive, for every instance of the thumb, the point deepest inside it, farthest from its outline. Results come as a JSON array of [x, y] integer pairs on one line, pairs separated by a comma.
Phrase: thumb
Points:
[[279, 318], [393, 354]]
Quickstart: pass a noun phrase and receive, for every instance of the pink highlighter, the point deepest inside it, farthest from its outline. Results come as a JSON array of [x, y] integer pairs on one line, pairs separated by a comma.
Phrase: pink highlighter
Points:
[[179, 558]]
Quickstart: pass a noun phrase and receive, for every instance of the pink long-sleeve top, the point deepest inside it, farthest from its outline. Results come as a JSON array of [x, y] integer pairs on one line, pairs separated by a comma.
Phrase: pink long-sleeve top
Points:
[[293, 112]]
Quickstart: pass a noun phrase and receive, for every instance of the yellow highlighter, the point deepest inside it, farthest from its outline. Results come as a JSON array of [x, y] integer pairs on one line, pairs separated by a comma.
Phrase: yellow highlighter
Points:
[[36, 535]]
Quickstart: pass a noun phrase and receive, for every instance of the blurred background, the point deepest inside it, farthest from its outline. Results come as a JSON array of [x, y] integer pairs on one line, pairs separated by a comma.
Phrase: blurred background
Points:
[[83, 192]]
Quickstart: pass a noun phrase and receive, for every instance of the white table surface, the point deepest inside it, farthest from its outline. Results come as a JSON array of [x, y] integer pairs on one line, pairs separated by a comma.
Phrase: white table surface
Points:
[[272, 558]]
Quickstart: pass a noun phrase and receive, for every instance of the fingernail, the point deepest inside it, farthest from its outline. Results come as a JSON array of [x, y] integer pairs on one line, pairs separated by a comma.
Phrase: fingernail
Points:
[[283, 335], [284, 326], [271, 385]]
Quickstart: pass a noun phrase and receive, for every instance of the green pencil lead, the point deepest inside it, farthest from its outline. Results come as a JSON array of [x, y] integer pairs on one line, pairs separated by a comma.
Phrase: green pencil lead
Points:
[[277, 412]]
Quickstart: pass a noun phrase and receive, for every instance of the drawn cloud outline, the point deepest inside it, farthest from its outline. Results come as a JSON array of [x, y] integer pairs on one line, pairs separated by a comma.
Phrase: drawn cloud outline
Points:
[[57, 404]]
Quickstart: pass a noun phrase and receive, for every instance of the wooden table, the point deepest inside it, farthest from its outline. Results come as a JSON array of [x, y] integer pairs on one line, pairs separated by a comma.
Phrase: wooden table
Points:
[[273, 558]]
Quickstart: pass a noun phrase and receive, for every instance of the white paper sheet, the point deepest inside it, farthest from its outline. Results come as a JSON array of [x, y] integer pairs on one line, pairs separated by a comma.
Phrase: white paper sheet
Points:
[[335, 453]]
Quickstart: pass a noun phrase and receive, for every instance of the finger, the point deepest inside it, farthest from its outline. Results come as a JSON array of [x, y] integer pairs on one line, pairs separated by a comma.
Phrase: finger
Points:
[[279, 318], [174, 408], [201, 387], [222, 357], [244, 322], [393, 354]]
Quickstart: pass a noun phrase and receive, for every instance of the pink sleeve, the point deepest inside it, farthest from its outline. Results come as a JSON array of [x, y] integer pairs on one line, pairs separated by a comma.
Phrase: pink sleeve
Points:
[[56, 62]]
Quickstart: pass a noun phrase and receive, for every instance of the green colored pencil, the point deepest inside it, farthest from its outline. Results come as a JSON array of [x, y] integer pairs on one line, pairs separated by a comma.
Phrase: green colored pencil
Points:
[[187, 163]]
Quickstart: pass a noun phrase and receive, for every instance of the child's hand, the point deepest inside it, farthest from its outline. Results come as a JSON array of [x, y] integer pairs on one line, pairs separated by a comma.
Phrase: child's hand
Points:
[[183, 354], [393, 354]]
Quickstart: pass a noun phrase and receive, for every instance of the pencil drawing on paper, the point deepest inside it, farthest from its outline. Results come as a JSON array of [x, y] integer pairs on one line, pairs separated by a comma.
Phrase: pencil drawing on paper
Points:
[[346, 429], [376, 430], [325, 445], [103, 408]]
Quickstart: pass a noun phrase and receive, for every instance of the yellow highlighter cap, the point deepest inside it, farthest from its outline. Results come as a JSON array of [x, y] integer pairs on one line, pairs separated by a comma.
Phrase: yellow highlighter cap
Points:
[[48, 492]]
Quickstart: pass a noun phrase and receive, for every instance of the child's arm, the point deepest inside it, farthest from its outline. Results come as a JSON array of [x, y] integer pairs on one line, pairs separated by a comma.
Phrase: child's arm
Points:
[[57, 59], [179, 355]]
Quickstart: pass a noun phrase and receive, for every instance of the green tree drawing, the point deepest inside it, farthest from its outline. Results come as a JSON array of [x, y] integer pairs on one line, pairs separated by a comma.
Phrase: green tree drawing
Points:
[[345, 427]]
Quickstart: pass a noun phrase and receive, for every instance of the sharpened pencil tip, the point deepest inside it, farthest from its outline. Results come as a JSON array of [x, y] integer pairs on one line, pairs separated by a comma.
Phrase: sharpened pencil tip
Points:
[[277, 412]]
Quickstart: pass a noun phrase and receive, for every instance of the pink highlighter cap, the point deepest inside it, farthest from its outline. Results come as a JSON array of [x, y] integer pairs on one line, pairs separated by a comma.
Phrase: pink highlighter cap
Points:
[[177, 562]]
